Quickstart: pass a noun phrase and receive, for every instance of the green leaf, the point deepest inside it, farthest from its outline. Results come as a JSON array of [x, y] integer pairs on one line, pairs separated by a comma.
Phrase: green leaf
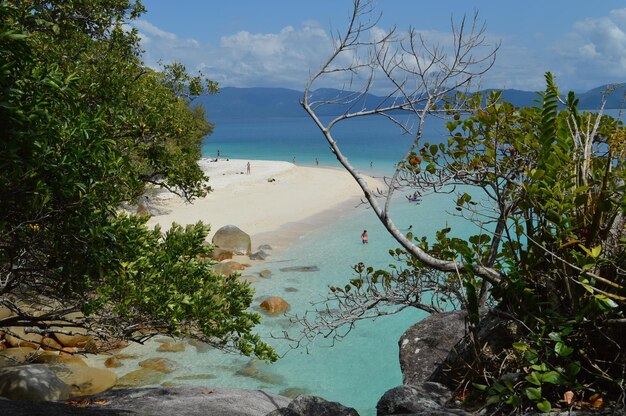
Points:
[[562, 350], [533, 378], [533, 393], [544, 406], [521, 346], [552, 377]]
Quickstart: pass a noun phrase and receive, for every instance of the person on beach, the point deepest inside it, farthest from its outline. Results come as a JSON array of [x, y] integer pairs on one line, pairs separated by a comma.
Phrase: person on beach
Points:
[[218, 154], [364, 237], [317, 162], [248, 168]]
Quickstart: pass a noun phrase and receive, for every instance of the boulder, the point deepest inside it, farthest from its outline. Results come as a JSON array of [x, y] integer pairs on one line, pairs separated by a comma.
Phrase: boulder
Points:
[[17, 336], [49, 357], [425, 345], [183, 400], [78, 340], [50, 344], [32, 382], [233, 239], [275, 305], [83, 380], [164, 365], [229, 267], [5, 312], [264, 247], [171, 347], [14, 356], [259, 255], [305, 405], [423, 399], [219, 254]]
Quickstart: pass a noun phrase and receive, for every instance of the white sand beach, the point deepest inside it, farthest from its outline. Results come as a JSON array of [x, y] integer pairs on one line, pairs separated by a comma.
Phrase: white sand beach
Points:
[[274, 212]]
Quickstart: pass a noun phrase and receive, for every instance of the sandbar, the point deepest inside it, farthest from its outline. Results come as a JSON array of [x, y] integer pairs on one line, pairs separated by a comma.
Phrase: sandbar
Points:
[[275, 204]]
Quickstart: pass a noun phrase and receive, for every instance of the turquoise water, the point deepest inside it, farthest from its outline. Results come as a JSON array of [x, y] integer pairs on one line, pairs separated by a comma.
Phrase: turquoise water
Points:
[[364, 141], [359, 369]]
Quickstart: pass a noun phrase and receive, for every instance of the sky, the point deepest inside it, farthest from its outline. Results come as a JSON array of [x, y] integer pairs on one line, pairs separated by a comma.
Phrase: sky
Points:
[[278, 43]]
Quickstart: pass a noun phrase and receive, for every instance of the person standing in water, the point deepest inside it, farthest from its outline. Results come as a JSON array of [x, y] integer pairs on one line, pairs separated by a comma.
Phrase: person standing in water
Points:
[[364, 237]]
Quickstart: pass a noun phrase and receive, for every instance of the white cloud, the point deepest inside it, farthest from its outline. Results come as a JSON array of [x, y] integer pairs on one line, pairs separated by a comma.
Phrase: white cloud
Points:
[[593, 53], [243, 59]]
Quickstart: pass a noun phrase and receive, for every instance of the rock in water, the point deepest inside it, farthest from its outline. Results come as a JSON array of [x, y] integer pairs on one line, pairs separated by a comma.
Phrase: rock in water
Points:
[[305, 269], [425, 345], [259, 255], [275, 305], [164, 365], [231, 238]]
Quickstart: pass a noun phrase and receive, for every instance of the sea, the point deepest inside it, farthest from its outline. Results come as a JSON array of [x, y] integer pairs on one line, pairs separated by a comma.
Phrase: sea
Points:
[[360, 367]]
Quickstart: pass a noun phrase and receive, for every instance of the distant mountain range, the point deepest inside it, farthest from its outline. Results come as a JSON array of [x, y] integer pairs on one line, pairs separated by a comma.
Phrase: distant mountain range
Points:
[[259, 102]]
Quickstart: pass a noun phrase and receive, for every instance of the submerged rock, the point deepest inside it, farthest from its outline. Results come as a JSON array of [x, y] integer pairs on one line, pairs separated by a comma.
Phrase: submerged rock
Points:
[[258, 370], [290, 289], [300, 269], [231, 238], [164, 365], [265, 273], [141, 377], [275, 305], [259, 255], [168, 346]]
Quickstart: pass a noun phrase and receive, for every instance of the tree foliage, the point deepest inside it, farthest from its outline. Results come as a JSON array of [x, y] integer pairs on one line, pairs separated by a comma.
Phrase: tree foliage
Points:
[[544, 188], [85, 127]]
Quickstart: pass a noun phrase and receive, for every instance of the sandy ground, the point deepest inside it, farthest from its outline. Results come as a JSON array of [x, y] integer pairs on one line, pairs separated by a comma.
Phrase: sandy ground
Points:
[[276, 212]]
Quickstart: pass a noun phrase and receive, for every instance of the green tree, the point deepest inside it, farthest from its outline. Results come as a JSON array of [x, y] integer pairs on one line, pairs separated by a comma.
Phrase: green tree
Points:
[[85, 127], [545, 190]]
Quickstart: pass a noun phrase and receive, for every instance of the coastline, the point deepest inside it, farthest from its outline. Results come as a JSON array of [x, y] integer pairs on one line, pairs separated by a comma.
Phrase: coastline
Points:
[[276, 204]]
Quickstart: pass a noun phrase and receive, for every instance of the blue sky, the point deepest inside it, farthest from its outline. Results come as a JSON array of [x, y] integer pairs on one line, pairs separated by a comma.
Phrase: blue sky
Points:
[[276, 43]]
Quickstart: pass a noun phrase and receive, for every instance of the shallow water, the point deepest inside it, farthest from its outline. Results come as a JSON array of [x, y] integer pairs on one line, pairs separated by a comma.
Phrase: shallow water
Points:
[[355, 371], [359, 369]]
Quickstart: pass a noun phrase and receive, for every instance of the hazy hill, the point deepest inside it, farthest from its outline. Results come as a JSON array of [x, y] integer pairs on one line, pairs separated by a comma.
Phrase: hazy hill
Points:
[[282, 102]]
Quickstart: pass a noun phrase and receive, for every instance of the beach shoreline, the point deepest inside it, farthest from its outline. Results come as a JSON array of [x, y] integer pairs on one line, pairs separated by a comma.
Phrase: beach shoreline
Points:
[[276, 203]]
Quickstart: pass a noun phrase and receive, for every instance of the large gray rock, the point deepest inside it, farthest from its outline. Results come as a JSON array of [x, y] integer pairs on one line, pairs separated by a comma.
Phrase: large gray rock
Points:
[[305, 405], [425, 345], [232, 239], [32, 382], [184, 401], [422, 399]]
